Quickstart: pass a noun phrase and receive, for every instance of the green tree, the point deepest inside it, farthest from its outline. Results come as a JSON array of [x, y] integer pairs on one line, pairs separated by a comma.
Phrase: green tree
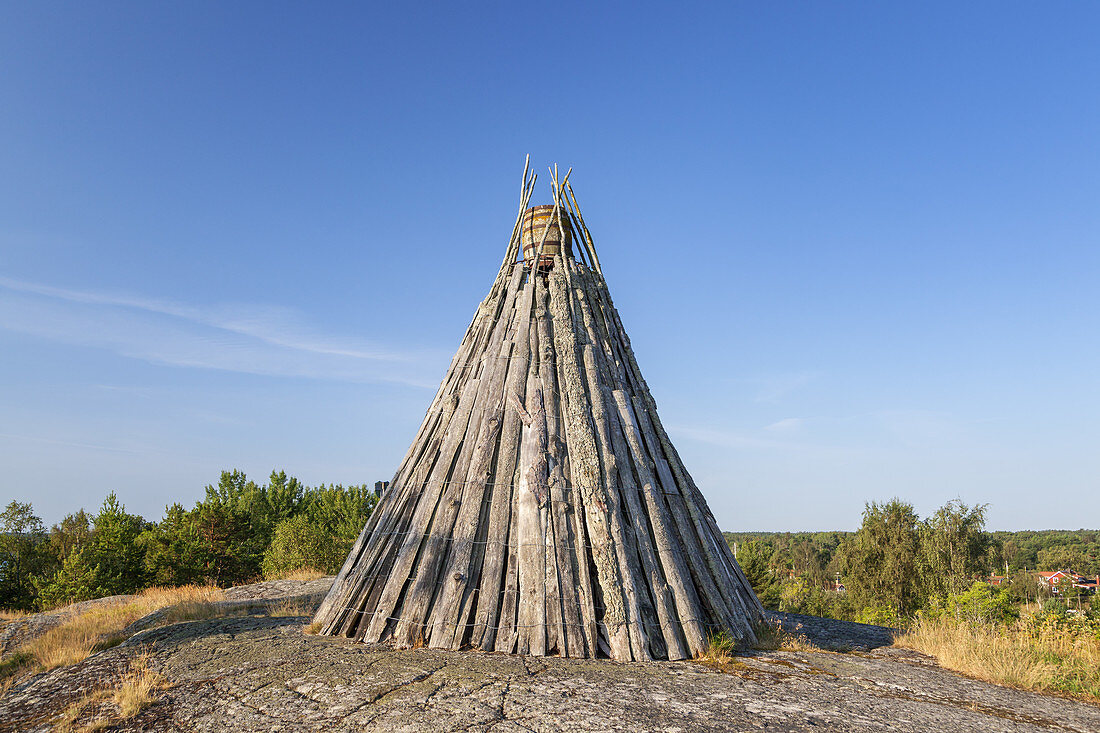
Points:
[[23, 553], [343, 511], [882, 560], [215, 542], [227, 546], [1077, 550], [111, 562], [72, 533], [1023, 586], [1071, 557], [172, 553], [753, 558], [809, 561], [263, 506], [955, 547], [284, 498]]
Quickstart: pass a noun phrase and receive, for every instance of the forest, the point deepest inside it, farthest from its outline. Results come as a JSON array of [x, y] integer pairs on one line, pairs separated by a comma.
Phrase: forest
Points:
[[239, 532]]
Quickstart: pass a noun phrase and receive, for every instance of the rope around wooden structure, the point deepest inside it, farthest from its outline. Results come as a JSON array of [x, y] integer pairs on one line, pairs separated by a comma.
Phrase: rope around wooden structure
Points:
[[541, 508]]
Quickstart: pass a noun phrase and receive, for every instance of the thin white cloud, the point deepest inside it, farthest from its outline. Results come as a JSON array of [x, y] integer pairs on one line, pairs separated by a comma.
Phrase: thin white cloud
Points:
[[272, 324], [125, 389], [251, 339], [786, 425], [776, 387], [772, 388]]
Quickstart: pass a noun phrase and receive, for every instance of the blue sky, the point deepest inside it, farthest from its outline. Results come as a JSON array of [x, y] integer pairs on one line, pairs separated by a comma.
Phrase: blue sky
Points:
[[855, 245]]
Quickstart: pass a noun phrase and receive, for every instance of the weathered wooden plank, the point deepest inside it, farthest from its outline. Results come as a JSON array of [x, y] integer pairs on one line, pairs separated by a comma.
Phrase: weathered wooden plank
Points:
[[585, 466], [584, 634], [667, 544], [719, 604], [600, 380], [394, 511], [662, 621], [418, 600], [426, 506], [470, 476], [353, 602], [509, 595], [563, 609], [459, 578], [667, 622], [530, 494], [683, 538], [463, 572], [501, 488]]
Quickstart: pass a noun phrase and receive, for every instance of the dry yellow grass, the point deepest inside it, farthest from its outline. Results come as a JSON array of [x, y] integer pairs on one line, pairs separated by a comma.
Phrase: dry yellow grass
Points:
[[770, 636], [300, 574], [70, 721], [722, 648], [99, 628], [138, 689], [8, 674], [191, 610], [11, 614], [102, 627], [719, 653], [133, 693], [1050, 661], [293, 607], [312, 628]]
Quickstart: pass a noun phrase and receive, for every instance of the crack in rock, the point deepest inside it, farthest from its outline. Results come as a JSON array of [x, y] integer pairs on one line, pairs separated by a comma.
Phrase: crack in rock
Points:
[[401, 685]]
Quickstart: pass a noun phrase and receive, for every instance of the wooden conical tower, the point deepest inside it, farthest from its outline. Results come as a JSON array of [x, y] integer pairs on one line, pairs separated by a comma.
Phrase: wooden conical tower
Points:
[[542, 508]]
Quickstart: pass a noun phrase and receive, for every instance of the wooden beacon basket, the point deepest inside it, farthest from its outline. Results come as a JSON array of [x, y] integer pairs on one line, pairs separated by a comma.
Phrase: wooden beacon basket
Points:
[[539, 220]]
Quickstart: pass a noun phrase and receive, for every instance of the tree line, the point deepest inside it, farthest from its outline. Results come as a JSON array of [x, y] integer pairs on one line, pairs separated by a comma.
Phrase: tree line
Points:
[[898, 564], [239, 532], [895, 565]]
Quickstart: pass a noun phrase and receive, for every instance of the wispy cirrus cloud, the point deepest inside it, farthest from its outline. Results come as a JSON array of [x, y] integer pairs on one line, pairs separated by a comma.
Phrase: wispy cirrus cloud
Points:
[[254, 339], [786, 425], [775, 387]]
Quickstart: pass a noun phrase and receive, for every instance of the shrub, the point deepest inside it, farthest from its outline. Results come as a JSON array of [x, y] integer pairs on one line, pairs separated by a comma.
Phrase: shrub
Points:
[[300, 543], [879, 616], [1055, 618], [979, 605], [319, 537], [720, 651]]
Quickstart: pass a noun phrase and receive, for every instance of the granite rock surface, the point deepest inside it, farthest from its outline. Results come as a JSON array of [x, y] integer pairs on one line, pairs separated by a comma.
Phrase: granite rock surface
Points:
[[260, 672]]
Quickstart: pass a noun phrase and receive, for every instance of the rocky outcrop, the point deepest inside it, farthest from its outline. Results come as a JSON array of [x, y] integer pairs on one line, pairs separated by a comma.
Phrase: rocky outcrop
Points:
[[262, 673], [17, 632]]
